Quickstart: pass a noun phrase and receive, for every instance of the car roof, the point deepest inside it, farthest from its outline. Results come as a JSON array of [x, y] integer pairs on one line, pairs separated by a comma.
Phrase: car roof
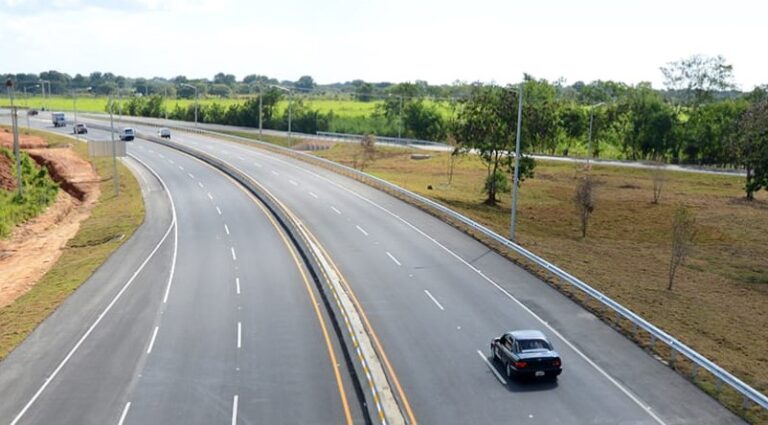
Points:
[[527, 334]]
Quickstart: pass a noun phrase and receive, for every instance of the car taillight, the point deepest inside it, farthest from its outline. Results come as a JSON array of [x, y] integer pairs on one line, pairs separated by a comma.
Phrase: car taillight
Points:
[[520, 365], [556, 363]]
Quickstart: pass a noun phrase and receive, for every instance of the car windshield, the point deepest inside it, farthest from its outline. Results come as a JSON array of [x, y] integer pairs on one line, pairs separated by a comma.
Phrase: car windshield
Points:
[[533, 345]]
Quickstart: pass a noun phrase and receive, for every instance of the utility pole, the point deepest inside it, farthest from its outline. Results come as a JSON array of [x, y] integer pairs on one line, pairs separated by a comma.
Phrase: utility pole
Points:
[[115, 176], [400, 119], [16, 147], [516, 181], [261, 95]]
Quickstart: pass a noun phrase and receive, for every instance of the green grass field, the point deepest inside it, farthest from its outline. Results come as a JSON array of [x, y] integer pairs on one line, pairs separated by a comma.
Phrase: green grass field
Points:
[[113, 220]]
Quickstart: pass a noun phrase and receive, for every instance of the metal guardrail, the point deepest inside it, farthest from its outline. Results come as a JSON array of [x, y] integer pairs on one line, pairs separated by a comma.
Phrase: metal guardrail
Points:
[[698, 360], [385, 139]]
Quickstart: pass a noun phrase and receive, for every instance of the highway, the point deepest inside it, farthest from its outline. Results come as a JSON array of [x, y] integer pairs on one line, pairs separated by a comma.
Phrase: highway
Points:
[[220, 325], [433, 296]]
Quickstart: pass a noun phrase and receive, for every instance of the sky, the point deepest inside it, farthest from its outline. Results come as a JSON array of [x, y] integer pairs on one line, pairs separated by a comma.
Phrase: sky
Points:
[[439, 41]]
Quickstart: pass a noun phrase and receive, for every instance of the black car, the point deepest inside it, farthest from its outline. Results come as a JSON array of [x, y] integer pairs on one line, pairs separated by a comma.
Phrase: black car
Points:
[[526, 354], [80, 128]]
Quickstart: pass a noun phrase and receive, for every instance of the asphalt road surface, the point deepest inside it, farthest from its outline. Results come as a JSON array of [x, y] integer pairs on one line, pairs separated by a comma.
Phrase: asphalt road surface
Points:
[[434, 297], [219, 325]]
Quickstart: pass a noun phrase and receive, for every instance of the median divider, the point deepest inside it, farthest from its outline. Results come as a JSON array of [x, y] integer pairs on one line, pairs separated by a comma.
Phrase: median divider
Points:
[[379, 401]]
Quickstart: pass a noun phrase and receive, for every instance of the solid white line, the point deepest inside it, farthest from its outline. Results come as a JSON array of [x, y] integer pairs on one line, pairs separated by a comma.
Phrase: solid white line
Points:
[[218, 210], [624, 390], [226, 228], [101, 316], [190, 175], [275, 173], [234, 411], [336, 210], [175, 230], [392, 257], [362, 230], [152, 341], [125, 413], [200, 184], [239, 335], [210, 196], [293, 182], [234, 257], [312, 194], [237, 285], [434, 300], [493, 368]]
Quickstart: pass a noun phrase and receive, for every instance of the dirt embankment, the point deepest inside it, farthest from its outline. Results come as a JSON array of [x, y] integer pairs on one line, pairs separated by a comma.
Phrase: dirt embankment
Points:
[[35, 246]]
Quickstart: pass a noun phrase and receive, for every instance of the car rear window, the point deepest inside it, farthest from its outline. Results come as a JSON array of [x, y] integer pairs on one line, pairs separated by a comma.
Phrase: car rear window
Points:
[[533, 345]]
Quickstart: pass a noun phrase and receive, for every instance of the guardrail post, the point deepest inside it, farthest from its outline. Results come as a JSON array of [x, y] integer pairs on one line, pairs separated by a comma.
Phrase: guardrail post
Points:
[[652, 343], [718, 386], [744, 402], [672, 356], [694, 372], [634, 329]]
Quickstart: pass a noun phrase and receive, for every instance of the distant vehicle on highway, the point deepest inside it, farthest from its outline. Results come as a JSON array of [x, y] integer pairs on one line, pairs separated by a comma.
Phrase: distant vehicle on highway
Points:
[[80, 128], [165, 133], [526, 353], [32, 112], [127, 134], [58, 119]]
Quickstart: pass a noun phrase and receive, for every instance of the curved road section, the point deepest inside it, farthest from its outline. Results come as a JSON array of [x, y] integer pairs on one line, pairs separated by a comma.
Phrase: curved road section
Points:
[[205, 316], [435, 297]]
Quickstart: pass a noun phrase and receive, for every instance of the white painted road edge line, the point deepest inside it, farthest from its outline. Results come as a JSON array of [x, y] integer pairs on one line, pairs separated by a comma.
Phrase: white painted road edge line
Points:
[[125, 413], [237, 285], [361, 230], [152, 341], [392, 257], [336, 210], [618, 385], [239, 334], [101, 316], [234, 410], [226, 228], [175, 229], [434, 300], [234, 257], [493, 369]]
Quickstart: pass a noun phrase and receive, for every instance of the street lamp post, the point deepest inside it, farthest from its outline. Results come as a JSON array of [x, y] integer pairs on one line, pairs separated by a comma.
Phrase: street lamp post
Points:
[[591, 120], [15, 126], [27, 103], [400, 119], [115, 176], [516, 182], [45, 104], [196, 98], [74, 105]]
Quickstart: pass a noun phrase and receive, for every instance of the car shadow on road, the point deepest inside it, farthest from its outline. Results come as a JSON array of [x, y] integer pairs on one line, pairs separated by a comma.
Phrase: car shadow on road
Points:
[[524, 385]]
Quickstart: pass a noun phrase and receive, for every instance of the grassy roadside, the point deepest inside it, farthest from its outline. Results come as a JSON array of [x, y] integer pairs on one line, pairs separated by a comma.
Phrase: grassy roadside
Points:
[[40, 192], [112, 221]]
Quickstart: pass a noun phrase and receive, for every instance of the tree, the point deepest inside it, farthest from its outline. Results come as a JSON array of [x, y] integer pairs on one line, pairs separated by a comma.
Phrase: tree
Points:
[[486, 122], [221, 90], [751, 147], [683, 234], [659, 177], [226, 79], [367, 152], [364, 91], [584, 199], [697, 77], [305, 83], [540, 114]]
